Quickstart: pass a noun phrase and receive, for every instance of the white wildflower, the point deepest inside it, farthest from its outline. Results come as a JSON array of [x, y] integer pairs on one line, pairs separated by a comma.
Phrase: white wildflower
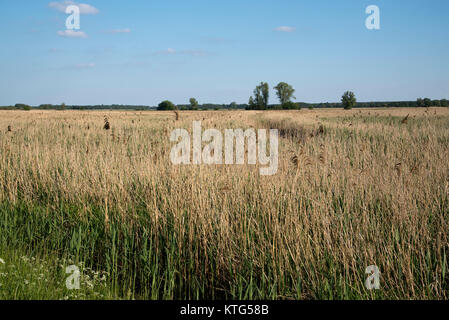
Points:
[[2, 261]]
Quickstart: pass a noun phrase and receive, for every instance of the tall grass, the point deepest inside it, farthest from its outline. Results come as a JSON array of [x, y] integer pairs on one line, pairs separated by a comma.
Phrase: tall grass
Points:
[[115, 203]]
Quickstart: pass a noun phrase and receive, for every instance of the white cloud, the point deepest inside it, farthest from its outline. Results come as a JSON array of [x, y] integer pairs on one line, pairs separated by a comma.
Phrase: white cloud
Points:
[[285, 29], [84, 8], [216, 40], [126, 30], [85, 66], [72, 34], [194, 53], [168, 51]]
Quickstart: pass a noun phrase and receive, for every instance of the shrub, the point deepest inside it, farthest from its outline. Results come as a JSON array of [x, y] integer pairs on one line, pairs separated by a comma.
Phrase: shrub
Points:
[[348, 100], [290, 105], [166, 105], [22, 106]]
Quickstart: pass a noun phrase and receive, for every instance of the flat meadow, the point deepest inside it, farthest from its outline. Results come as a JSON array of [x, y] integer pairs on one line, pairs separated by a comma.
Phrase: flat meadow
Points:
[[354, 188]]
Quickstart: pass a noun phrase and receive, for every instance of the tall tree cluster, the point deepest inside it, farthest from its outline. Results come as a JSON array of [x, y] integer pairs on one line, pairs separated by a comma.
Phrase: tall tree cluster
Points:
[[285, 92], [261, 95]]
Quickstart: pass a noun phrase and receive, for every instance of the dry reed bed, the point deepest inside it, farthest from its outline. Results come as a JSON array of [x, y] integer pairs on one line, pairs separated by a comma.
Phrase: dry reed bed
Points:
[[344, 197]]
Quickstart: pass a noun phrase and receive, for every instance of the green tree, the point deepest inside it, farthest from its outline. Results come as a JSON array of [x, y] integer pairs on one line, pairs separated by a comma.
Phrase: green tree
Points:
[[289, 105], [348, 100], [193, 104], [166, 105], [427, 102], [251, 104], [265, 94], [261, 96], [419, 102], [22, 106], [284, 91], [257, 98]]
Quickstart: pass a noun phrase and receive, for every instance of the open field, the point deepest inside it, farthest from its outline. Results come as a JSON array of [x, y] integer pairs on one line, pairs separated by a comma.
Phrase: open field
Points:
[[365, 189]]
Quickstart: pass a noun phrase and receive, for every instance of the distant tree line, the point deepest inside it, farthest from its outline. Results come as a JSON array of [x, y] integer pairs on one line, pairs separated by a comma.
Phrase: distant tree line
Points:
[[257, 102], [381, 104], [18, 106], [194, 105], [109, 107]]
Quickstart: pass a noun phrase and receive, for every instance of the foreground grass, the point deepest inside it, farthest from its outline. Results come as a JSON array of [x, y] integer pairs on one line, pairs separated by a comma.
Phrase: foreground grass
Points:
[[345, 197], [24, 276], [142, 265]]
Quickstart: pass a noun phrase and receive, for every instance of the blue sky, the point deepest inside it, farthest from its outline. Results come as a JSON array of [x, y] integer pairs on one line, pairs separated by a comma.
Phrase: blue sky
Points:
[[143, 52]]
